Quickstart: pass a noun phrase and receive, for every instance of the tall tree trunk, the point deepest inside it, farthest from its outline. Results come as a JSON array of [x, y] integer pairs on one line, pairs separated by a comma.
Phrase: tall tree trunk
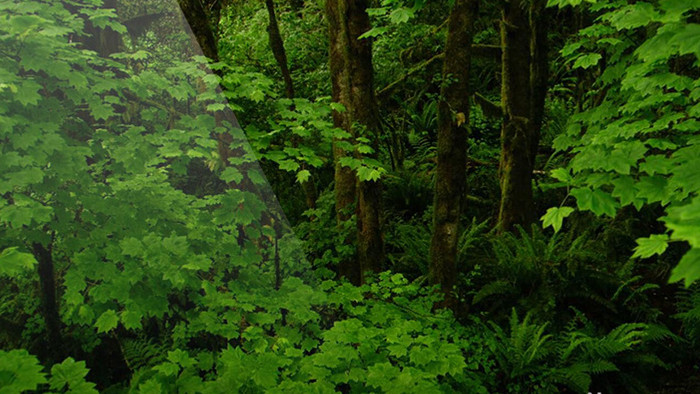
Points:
[[370, 248], [353, 86], [280, 54], [517, 159], [344, 177], [453, 117]]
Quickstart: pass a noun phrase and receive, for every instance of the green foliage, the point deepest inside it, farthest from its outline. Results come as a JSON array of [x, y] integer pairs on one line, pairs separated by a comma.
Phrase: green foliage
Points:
[[635, 144], [174, 266], [534, 361], [19, 371], [13, 263], [689, 313], [71, 375]]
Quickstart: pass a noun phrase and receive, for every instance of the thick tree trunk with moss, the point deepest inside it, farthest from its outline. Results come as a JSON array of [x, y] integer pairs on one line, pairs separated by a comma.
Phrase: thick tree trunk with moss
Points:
[[453, 117], [344, 177], [353, 86], [517, 158], [370, 248]]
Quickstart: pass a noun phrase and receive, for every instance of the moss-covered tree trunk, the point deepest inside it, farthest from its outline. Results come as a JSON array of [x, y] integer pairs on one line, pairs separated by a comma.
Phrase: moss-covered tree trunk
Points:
[[353, 87], [370, 248], [517, 158], [453, 116]]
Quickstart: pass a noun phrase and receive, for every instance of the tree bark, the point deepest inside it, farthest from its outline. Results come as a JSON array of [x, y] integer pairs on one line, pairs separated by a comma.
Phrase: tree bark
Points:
[[453, 117], [517, 158], [202, 30], [49, 304], [353, 86]]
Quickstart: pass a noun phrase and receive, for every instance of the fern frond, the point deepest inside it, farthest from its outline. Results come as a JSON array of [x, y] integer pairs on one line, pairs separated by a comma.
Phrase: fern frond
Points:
[[498, 287]]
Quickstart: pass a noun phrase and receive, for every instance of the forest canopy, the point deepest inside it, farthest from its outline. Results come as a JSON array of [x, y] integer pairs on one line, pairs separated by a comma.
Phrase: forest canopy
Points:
[[317, 196]]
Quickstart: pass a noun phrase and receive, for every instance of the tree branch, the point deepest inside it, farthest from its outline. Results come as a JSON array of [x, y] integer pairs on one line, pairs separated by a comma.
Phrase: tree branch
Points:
[[382, 93], [492, 52], [489, 108]]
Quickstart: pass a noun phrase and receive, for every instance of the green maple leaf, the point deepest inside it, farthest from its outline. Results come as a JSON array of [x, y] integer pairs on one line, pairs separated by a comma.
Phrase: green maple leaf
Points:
[[131, 319], [303, 176], [654, 244], [151, 387], [72, 374], [562, 175], [596, 201], [633, 16], [688, 268], [288, 165], [19, 372], [421, 355], [653, 188], [587, 61], [555, 217], [107, 321], [168, 369], [401, 15], [13, 262], [625, 190], [28, 93], [231, 174], [382, 374]]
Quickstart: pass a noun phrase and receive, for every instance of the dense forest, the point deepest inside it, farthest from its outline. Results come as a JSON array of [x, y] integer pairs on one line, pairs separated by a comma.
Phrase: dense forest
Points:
[[317, 196]]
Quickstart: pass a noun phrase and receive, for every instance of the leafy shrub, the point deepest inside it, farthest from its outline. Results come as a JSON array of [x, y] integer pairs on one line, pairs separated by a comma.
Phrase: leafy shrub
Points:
[[21, 372]]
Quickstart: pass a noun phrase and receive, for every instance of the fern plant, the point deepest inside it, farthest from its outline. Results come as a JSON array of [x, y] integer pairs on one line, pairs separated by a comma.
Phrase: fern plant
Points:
[[548, 274], [532, 360], [689, 313], [536, 272], [613, 361]]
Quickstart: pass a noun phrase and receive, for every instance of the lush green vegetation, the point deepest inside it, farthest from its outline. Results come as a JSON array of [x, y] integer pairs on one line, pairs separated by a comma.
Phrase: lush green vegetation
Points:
[[413, 196]]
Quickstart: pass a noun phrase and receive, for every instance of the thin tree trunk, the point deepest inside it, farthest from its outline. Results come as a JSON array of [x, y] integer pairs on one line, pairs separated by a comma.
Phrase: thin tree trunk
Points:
[[277, 46], [49, 304], [517, 159], [353, 86], [280, 54], [453, 117]]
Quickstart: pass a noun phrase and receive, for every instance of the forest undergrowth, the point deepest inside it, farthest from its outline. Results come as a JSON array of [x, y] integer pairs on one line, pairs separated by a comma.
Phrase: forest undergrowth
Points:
[[399, 196]]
